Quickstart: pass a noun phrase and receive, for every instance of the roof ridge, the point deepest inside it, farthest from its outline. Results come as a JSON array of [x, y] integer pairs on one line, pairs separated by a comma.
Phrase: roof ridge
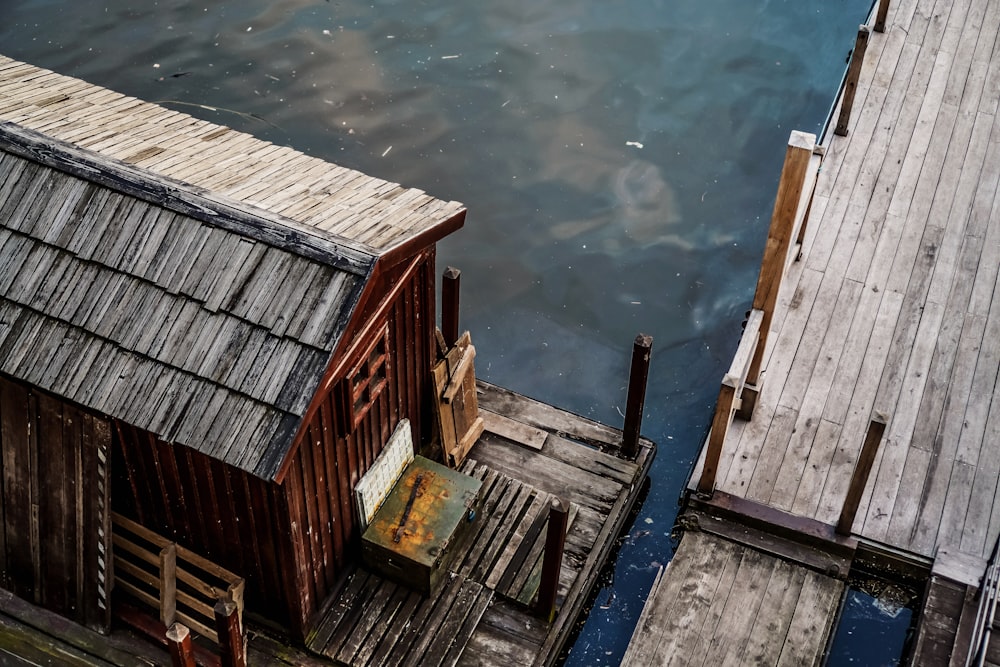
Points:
[[190, 200]]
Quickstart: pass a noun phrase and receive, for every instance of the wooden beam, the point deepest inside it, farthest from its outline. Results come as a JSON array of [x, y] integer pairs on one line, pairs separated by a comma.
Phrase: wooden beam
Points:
[[716, 438], [883, 12], [636, 399], [555, 541], [862, 469], [168, 583], [450, 287], [851, 83], [779, 239]]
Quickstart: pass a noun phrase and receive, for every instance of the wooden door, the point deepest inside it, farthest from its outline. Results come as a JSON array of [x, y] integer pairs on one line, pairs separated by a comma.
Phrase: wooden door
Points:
[[457, 411], [55, 542]]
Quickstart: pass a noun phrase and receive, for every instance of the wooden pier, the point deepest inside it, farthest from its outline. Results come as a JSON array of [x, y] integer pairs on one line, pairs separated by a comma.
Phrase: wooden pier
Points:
[[875, 319]]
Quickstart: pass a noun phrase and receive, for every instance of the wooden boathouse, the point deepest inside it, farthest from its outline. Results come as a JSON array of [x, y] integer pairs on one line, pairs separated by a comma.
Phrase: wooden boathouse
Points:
[[212, 349], [856, 430]]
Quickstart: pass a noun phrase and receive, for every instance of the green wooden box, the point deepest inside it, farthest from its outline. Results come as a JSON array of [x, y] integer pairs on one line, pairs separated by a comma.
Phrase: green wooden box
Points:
[[420, 526]]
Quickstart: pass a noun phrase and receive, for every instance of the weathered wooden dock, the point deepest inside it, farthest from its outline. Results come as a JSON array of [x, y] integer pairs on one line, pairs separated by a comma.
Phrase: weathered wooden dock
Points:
[[206, 344], [483, 617], [875, 319]]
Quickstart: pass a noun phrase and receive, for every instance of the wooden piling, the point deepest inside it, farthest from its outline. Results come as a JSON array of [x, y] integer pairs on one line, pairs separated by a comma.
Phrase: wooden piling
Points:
[[851, 83], [227, 624], [555, 541], [450, 285], [636, 400], [779, 239], [880, 17], [179, 643], [859, 479]]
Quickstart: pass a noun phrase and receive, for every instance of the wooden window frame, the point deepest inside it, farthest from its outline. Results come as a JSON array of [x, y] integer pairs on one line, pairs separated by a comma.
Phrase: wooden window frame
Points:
[[367, 378]]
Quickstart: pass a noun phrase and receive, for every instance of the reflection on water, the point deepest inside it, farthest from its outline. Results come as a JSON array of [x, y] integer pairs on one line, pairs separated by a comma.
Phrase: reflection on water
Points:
[[874, 629], [618, 157]]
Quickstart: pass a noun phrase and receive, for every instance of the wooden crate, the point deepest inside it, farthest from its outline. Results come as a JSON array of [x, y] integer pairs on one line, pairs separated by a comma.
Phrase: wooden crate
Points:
[[421, 525]]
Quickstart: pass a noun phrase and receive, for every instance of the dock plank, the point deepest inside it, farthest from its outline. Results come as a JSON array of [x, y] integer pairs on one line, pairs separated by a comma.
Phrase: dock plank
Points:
[[722, 603]]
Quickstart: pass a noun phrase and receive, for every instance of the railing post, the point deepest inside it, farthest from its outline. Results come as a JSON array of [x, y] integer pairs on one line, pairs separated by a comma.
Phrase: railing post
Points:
[[168, 583], [862, 469], [883, 12], [450, 285], [179, 643], [555, 541], [638, 374], [716, 438], [779, 239], [230, 631], [851, 83]]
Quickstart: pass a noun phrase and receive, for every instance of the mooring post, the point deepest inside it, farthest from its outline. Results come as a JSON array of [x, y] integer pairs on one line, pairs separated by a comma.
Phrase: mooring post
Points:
[[851, 83], [179, 643], [772, 267], [636, 400], [862, 469], [449, 304], [228, 627], [883, 12], [555, 541]]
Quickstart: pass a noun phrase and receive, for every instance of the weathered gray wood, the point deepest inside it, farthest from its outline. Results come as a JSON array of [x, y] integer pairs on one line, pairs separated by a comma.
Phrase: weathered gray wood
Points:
[[721, 603], [240, 219]]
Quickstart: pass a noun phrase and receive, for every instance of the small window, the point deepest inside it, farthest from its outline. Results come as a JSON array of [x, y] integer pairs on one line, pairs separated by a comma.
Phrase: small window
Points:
[[368, 378]]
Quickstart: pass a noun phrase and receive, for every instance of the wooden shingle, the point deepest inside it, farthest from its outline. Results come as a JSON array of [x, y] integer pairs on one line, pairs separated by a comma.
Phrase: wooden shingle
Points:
[[180, 276]]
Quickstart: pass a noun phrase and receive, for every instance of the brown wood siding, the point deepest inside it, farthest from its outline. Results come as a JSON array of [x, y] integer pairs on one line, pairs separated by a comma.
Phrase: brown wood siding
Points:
[[327, 464], [212, 508], [53, 503]]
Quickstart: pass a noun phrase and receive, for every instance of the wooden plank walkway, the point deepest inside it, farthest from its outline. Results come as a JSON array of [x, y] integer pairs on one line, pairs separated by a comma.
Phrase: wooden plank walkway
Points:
[[891, 309], [482, 616], [889, 314], [721, 603]]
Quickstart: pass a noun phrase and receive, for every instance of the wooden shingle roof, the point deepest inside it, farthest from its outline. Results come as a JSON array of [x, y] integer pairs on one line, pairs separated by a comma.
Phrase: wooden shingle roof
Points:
[[204, 317]]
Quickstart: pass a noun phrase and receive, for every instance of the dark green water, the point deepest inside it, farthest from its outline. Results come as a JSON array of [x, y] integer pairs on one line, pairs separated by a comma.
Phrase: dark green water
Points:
[[619, 159]]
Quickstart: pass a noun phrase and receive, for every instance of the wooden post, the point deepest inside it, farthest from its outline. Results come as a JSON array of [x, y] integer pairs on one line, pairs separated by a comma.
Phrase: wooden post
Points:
[[449, 304], [779, 239], [801, 238], [168, 583], [228, 627], [883, 12], [555, 540], [851, 83], [859, 479], [179, 642], [636, 400], [717, 437]]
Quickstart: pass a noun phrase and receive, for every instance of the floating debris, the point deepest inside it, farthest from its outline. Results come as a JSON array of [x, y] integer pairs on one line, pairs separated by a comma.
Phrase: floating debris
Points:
[[637, 144]]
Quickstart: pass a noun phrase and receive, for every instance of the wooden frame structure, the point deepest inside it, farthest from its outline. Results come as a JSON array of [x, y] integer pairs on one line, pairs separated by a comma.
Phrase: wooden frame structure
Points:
[[216, 333]]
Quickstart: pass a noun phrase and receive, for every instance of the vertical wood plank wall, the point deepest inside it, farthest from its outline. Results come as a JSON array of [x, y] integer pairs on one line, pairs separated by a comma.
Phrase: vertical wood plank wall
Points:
[[291, 542], [326, 466], [217, 511], [53, 504]]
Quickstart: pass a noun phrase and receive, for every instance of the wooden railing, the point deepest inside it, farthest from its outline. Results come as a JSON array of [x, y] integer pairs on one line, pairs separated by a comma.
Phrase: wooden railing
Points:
[[741, 385], [176, 584]]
